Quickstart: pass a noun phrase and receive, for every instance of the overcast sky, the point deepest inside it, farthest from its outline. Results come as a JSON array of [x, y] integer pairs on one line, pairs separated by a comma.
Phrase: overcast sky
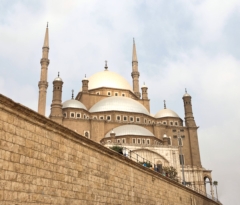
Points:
[[193, 44]]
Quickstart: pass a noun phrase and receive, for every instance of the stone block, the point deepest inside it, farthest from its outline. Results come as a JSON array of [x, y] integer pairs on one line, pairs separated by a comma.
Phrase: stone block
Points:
[[9, 195], [11, 176], [15, 157], [9, 127], [6, 185], [2, 135], [4, 115], [19, 168], [19, 140], [23, 197], [1, 196], [9, 137]]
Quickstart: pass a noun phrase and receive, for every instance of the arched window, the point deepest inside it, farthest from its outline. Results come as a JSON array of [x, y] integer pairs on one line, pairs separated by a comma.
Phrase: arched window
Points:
[[180, 142], [87, 134], [169, 141], [208, 184], [181, 159]]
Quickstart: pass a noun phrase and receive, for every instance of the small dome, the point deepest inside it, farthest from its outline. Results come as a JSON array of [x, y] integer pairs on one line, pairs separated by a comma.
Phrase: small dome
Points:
[[166, 113], [73, 104], [108, 79], [186, 95], [119, 103], [165, 136], [130, 130], [112, 132], [58, 79]]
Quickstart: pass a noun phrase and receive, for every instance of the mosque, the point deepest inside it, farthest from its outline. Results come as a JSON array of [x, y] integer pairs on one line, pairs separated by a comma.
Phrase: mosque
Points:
[[109, 110]]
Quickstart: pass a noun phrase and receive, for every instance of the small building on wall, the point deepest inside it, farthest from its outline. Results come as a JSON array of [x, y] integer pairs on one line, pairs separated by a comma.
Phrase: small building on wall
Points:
[[108, 110]]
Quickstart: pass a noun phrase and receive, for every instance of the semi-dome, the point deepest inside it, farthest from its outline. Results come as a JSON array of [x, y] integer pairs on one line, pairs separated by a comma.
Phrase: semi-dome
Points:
[[74, 104], [166, 113], [119, 103], [130, 130], [108, 79]]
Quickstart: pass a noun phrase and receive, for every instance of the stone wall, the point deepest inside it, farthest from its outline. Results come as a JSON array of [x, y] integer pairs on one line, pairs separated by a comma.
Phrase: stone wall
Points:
[[42, 162]]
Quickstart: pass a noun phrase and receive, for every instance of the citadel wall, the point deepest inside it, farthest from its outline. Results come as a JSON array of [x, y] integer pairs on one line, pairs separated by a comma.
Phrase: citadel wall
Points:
[[42, 162]]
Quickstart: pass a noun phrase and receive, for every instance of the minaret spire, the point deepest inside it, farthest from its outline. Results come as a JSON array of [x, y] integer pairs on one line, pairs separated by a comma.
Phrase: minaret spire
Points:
[[135, 73], [73, 94], [164, 104], [46, 43], [106, 66], [134, 55], [43, 84]]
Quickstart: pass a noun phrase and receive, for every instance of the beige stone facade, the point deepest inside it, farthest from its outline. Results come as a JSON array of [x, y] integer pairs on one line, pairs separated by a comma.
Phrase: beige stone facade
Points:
[[43, 162]]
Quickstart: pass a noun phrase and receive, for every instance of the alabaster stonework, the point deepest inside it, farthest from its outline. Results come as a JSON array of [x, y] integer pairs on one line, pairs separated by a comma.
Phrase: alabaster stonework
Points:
[[109, 110]]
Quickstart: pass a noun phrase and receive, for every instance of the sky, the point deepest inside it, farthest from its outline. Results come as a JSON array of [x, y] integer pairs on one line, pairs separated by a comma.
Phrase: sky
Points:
[[193, 44]]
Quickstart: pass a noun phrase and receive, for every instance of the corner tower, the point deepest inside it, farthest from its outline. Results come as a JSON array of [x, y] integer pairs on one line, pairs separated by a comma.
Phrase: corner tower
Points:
[[56, 106], [189, 119], [135, 73], [43, 84], [85, 85], [191, 151], [144, 92]]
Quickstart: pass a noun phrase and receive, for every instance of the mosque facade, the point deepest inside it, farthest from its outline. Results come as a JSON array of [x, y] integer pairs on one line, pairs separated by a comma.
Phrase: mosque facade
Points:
[[110, 111]]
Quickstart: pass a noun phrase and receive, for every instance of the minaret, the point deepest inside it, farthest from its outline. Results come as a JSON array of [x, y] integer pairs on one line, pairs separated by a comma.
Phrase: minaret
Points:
[[189, 119], [85, 85], [56, 106], [43, 84], [135, 73], [194, 158], [144, 92]]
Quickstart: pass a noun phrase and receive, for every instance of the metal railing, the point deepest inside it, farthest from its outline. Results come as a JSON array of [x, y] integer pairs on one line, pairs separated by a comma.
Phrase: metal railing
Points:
[[147, 163], [139, 145]]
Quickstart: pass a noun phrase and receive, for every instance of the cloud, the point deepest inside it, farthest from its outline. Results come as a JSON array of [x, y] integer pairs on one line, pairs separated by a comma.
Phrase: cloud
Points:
[[211, 17]]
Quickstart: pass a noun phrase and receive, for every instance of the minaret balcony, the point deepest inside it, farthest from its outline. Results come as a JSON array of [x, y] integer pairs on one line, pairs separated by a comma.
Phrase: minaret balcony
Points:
[[135, 74], [45, 60]]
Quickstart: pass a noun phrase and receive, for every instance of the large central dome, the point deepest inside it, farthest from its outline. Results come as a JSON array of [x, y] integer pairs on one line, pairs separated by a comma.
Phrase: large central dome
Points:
[[118, 103], [108, 79]]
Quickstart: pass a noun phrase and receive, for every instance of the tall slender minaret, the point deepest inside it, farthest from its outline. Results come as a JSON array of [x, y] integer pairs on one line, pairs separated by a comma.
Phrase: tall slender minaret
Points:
[[135, 73], [189, 119], [194, 158], [43, 84]]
